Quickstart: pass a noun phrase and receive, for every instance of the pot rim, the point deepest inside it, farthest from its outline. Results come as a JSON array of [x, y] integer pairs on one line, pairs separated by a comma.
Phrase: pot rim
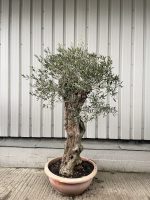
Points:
[[71, 180]]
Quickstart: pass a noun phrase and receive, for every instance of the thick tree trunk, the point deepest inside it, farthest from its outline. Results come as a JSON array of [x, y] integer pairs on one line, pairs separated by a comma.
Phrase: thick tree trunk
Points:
[[75, 129]]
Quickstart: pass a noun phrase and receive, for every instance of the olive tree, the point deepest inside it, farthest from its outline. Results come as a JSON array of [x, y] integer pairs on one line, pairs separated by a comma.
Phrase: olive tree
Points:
[[83, 81]]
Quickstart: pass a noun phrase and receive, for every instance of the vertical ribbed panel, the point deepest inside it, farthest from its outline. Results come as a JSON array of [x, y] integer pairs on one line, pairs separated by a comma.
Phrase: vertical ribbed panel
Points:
[[14, 69], [4, 68], [119, 28], [137, 70], [58, 30], [47, 41], [36, 50], [102, 37], [147, 72], [25, 63], [125, 69], [115, 17], [91, 40]]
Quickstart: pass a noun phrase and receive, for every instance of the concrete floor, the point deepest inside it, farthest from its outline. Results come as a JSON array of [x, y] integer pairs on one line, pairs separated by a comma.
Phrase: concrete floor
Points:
[[32, 184]]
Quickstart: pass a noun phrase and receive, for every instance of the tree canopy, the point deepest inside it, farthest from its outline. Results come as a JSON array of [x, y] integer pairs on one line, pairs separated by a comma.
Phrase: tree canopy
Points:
[[72, 73]]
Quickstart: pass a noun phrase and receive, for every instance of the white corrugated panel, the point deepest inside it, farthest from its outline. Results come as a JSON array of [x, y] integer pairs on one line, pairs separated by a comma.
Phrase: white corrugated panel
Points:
[[137, 70], [25, 68], [114, 52], [92, 37], [147, 74], [36, 50], [119, 28], [103, 50], [4, 68], [70, 23], [81, 22], [58, 39], [14, 69], [47, 41], [125, 69]]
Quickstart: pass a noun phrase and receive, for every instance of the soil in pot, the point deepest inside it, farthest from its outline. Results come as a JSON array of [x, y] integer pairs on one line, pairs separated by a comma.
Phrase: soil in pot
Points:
[[83, 169]]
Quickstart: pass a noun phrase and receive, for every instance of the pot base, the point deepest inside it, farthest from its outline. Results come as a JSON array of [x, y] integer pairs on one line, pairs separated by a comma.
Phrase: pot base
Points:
[[70, 189]]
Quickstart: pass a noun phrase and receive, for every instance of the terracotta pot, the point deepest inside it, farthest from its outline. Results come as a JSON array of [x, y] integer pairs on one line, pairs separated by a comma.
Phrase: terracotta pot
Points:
[[70, 186]]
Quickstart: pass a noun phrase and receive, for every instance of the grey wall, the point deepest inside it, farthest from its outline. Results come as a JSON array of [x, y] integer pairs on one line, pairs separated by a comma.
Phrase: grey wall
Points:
[[119, 28]]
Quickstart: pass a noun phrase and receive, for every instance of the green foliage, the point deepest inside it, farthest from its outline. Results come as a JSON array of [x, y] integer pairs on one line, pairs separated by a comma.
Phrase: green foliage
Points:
[[77, 77]]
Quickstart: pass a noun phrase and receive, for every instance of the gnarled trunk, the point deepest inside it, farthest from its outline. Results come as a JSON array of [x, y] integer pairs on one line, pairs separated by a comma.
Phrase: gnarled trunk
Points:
[[75, 130]]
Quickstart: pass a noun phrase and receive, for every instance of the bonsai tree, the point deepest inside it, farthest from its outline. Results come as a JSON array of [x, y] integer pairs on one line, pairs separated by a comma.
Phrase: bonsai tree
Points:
[[83, 81]]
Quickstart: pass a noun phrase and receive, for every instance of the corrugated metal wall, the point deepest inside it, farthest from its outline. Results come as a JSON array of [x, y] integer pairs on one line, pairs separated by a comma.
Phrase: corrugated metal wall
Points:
[[119, 28]]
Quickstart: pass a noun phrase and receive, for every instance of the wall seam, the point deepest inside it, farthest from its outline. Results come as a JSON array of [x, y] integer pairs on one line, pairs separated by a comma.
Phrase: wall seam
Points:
[[86, 23], [108, 52], [75, 23], [86, 42], [64, 45], [53, 50], [42, 53], [9, 66], [20, 69], [132, 68], [97, 52], [0, 55], [31, 63], [143, 75], [0, 30], [120, 66], [1, 131]]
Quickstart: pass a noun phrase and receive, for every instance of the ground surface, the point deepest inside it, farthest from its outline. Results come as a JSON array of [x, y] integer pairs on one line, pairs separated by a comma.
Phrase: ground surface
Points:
[[32, 184]]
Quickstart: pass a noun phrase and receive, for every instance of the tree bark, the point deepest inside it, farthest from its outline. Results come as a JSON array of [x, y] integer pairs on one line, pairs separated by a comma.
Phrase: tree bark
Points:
[[75, 130]]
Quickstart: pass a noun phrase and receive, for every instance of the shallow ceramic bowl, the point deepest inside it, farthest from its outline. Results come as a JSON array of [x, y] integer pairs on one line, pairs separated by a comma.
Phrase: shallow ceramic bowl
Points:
[[70, 186]]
